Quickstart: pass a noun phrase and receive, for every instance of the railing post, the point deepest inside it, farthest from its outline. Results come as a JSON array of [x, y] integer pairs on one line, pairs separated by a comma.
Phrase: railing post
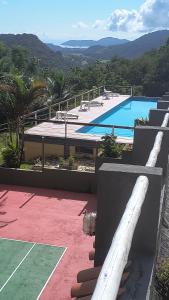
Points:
[[43, 152], [65, 143], [88, 96], [113, 130], [99, 91], [59, 106], [67, 106], [36, 116], [75, 101], [50, 112]]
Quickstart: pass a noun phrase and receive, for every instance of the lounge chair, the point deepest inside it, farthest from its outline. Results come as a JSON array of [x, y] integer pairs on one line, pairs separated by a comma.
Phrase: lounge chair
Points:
[[96, 103], [107, 94], [64, 114], [84, 105]]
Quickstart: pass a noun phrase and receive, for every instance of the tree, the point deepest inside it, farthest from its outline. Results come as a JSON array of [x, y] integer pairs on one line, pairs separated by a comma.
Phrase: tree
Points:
[[56, 86], [16, 96]]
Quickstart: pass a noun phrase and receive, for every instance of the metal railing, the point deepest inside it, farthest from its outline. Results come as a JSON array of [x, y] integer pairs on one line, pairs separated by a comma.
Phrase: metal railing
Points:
[[66, 123], [67, 104], [73, 102], [111, 273]]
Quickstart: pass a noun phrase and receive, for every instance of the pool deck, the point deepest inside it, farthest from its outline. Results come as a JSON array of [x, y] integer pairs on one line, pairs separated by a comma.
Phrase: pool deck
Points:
[[84, 116]]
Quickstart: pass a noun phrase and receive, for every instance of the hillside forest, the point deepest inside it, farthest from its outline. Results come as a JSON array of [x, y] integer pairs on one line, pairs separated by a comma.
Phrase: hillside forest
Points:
[[149, 74]]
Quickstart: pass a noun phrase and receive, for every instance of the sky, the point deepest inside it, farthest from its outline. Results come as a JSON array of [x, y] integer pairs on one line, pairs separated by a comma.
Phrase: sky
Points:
[[60, 20]]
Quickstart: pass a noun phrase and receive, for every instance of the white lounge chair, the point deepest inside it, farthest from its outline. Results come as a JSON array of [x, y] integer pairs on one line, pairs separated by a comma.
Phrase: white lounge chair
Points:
[[107, 94], [84, 105], [61, 115], [96, 103]]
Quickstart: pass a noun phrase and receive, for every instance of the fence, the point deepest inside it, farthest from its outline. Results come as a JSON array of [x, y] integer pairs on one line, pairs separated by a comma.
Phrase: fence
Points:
[[110, 276], [49, 111]]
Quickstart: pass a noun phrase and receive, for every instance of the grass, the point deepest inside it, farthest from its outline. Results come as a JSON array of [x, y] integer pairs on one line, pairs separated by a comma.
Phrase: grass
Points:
[[26, 166]]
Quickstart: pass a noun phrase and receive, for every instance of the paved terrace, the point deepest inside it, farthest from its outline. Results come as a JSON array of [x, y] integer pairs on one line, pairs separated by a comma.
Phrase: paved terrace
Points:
[[58, 130]]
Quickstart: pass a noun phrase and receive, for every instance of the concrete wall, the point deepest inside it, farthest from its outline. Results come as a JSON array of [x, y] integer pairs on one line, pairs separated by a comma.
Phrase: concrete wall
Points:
[[156, 117], [161, 104], [115, 185], [56, 179], [33, 150], [144, 137]]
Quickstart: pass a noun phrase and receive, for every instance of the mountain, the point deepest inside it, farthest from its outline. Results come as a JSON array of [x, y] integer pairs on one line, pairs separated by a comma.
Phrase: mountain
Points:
[[108, 41], [130, 50], [35, 48]]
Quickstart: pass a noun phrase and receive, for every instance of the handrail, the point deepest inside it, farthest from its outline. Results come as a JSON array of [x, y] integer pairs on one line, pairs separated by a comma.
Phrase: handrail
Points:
[[111, 273], [78, 123], [64, 101]]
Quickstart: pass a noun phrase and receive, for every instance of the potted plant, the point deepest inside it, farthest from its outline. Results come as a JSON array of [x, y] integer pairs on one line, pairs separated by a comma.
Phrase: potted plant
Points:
[[162, 279]]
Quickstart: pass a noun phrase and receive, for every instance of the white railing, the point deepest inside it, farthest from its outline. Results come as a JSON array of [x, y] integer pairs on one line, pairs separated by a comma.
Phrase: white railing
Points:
[[111, 273]]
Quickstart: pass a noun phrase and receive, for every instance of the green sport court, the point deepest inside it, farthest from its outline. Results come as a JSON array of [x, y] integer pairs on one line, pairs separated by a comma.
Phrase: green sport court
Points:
[[25, 268]]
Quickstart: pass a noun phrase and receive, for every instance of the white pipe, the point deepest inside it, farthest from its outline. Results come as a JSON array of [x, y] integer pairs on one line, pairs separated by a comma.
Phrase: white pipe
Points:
[[110, 276], [111, 273]]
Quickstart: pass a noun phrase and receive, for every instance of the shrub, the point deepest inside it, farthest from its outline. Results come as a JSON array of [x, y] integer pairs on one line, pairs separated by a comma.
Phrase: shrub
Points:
[[61, 162], [162, 279], [71, 161], [109, 147], [141, 122], [10, 156]]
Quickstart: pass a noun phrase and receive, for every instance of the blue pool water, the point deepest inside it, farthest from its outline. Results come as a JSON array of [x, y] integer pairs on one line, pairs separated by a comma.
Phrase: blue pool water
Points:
[[124, 115]]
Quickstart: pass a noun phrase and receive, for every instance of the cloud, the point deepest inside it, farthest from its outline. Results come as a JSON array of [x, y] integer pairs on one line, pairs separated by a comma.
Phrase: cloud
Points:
[[99, 24], [152, 15], [80, 25]]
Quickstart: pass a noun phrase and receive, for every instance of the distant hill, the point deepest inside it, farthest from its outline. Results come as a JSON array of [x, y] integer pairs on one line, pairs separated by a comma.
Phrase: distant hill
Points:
[[131, 49], [108, 41], [35, 47]]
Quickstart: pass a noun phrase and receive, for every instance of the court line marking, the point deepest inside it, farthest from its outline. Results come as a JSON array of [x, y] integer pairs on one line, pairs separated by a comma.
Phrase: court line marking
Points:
[[51, 274], [23, 241], [17, 268]]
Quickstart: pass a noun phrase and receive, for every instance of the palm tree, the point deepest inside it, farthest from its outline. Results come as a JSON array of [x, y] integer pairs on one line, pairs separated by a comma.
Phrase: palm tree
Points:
[[16, 96], [57, 86]]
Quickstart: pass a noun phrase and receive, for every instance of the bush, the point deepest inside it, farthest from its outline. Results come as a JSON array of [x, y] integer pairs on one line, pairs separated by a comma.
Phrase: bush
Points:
[[110, 148], [61, 162], [71, 161], [162, 279], [10, 156], [141, 122]]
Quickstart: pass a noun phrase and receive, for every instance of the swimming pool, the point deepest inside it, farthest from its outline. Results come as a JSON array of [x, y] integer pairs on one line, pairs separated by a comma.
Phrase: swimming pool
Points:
[[124, 115]]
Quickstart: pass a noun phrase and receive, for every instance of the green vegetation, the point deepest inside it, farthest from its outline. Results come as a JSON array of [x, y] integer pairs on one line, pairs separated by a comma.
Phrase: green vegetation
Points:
[[25, 84], [26, 166], [67, 163], [109, 147], [141, 122], [162, 279]]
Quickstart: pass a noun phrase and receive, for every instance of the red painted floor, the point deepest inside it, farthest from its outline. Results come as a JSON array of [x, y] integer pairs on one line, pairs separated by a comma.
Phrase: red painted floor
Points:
[[51, 217]]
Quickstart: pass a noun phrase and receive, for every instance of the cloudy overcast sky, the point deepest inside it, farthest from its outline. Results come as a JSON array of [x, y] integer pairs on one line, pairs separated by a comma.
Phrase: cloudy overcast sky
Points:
[[59, 20]]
